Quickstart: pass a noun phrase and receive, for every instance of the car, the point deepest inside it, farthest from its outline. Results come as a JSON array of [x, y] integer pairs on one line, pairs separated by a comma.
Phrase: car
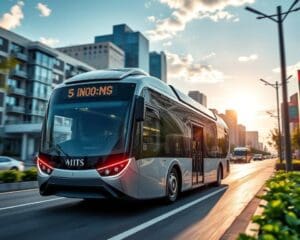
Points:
[[257, 157], [8, 163]]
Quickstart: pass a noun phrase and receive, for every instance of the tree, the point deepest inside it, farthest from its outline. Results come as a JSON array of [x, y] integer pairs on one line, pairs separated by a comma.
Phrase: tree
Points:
[[274, 138], [296, 139], [6, 65]]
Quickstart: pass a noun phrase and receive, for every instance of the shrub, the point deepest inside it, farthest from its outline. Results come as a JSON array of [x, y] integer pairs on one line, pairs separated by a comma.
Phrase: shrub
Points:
[[29, 175], [9, 176], [281, 216]]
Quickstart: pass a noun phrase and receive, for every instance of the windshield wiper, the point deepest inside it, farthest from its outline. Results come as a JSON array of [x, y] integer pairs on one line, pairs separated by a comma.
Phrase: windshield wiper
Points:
[[58, 149]]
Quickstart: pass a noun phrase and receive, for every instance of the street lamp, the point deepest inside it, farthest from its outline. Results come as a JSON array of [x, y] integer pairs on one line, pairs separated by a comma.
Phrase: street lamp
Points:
[[276, 86], [279, 18]]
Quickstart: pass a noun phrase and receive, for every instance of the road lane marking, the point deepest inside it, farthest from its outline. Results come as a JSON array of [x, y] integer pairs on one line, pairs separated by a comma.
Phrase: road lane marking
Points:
[[29, 204], [24, 190], [164, 216]]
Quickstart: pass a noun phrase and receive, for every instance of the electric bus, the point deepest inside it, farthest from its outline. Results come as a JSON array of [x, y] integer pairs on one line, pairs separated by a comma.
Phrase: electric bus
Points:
[[123, 134], [241, 154]]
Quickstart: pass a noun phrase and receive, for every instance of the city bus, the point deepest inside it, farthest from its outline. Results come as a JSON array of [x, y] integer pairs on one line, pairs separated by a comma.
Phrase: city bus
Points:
[[241, 154], [123, 134]]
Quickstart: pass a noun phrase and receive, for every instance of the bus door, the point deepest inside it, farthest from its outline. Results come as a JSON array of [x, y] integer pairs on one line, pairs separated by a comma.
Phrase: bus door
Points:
[[197, 154]]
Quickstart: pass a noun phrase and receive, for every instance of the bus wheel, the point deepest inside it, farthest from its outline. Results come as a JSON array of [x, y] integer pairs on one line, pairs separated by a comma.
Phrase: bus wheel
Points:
[[219, 177], [172, 186]]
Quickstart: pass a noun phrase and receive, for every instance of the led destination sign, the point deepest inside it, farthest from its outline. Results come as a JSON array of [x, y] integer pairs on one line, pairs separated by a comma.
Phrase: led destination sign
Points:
[[91, 91]]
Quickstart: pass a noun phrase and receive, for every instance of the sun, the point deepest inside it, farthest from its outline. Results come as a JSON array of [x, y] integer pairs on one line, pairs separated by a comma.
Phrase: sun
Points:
[[246, 105]]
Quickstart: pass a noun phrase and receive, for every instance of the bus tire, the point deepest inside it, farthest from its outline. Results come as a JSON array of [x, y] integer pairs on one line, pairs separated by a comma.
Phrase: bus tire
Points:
[[172, 186], [219, 176]]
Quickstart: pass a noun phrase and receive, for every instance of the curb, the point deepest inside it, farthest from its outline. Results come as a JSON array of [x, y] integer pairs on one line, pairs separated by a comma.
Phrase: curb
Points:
[[252, 228], [15, 186]]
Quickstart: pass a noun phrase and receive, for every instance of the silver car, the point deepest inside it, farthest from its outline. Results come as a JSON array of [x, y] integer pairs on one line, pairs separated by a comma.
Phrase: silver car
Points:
[[8, 163]]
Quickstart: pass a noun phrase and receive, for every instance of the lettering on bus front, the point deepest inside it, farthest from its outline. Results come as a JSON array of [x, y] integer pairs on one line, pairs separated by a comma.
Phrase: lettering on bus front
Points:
[[90, 91]]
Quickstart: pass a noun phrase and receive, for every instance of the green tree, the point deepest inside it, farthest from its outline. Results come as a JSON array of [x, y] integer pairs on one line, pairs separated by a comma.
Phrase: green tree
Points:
[[6, 65], [274, 138], [296, 139]]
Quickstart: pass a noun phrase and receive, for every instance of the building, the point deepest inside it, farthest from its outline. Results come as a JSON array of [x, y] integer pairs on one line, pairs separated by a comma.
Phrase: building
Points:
[[134, 44], [198, 97], [158, 65], [29, 85], [294, 112], [98, 55], [241, 135], [252, 139], [230, 118]]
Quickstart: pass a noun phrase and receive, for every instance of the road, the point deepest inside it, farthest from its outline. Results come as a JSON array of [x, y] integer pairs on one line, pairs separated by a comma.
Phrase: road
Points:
[[204, 213]]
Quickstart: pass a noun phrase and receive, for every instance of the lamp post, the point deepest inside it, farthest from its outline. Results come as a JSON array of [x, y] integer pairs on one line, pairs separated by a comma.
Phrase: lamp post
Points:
[[276, 86], [279, 18]]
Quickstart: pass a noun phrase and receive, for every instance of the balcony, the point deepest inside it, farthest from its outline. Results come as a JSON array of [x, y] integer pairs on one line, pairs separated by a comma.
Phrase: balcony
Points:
[[16, 91], [38, 113], [15, 109], [20, 56], [22, 127], [19, 73]]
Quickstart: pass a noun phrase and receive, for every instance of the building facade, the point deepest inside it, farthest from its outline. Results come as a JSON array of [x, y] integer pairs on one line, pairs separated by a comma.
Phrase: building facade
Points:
[[102, 55], [198, 97], [294, 112], [26, 90], [241, 135], [230, 118], [252, 139], [134, 44], [158, 65]]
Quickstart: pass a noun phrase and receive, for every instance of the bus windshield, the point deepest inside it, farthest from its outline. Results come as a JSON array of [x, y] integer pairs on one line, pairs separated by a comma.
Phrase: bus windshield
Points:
[[87, 125], [240, 153]]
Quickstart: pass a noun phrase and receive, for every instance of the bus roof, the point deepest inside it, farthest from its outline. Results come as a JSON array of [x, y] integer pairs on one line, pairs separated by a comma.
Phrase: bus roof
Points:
[[241, 149], [142, 79]]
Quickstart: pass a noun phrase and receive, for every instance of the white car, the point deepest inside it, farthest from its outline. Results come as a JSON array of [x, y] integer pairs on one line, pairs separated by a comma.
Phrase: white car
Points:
[[8, 163]]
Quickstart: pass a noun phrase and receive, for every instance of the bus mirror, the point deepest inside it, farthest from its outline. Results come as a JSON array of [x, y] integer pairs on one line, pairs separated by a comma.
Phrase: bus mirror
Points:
[[139, 109]]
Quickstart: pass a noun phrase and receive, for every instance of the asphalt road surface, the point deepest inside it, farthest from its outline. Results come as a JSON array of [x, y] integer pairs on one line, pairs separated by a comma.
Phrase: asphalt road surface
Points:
[[204, 213]]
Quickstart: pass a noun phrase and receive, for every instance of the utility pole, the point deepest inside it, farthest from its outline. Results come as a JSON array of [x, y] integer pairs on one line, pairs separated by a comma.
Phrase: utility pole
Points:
[[276, 86], [279, 18]]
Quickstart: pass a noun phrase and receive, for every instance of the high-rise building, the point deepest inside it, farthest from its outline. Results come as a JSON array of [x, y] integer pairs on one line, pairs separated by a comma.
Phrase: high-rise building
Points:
[[29, 85], [230, 118], [158, 65], [241, 135], [252, 139], [102, 55], [198, 97], [134, 44]]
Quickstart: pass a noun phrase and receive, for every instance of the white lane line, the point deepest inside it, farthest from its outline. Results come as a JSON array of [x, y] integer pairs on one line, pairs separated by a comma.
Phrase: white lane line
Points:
[[155, 220], [25, 190], [29, 204]]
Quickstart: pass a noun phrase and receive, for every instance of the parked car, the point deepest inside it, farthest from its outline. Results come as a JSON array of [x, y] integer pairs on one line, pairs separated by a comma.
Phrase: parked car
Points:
[[257, 157], [8, 163]]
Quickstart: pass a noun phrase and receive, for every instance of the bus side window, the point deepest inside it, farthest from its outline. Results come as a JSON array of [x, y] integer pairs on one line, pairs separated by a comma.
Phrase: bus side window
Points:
[[151, 134]]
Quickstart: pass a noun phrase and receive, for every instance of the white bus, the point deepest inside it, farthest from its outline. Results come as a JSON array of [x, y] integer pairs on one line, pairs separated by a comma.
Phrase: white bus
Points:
[[123, 134], [241, 154]]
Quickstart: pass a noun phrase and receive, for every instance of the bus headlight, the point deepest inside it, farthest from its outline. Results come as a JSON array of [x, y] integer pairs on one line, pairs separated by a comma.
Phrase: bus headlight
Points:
[[113, 166]]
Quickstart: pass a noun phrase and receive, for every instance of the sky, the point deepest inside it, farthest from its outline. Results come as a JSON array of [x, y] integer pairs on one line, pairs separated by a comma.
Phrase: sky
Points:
[[213, 46]]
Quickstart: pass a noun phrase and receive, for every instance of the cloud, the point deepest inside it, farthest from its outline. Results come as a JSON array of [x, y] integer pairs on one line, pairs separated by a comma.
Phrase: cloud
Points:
[[291, 70], [184, 67], [185, 11], [44, 10], [49, 41], [151, 19], [251, 57], [167, 44], [13, 18], [212, 54]]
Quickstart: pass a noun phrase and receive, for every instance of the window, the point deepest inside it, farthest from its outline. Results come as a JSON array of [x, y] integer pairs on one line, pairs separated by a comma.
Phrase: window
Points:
[[1, 42], [4, 160], [151, 134]]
